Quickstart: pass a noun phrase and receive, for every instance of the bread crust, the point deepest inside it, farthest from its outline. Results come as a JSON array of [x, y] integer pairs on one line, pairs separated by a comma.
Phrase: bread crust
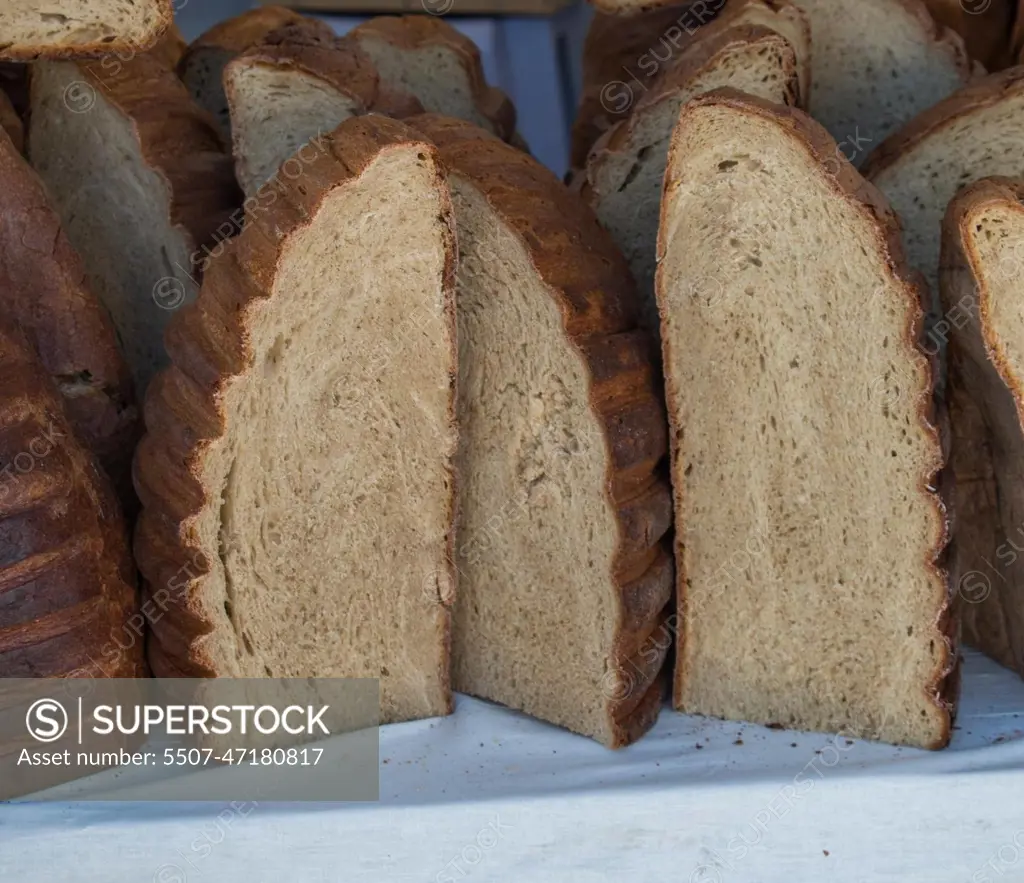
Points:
[[983, 29], [177, 139], [588, 279], [942, 688], [46, 294], [117, 46], [698, 58], [67, 583], [209, 343], [244, 31], [412, 32], [11, 123], [983, 93], [986, 401]]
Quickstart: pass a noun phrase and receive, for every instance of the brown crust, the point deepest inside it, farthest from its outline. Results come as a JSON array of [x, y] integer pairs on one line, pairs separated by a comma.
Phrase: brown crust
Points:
[[67, 590], [980, 94], [412, 32], [121, 47], [942, 688], [170, 47], [704, 54], [589, 280], [177, 139], [244, 31], [11, 123], [984, 27], [209, 345], [986, 402], [46, 294]]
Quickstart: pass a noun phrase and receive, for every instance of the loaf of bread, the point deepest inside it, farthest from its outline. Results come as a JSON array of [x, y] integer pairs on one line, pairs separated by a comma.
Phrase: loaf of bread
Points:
[[878, 63], [982, 267], [985, 27], [297, 473], [202, 65], [68, 604], [45, 292], [424, 56], [809, 535], [294, 87], [564, 578], [31, 29], [146, 188], [756, 47]]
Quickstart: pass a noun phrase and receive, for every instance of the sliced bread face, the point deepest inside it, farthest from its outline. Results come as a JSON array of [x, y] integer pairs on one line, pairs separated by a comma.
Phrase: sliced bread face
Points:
[[975, 133], [69, 605], [564, 577], [426, 57], [809, 537], [297, 479], [45, 293], [293, 88], [982, 269], [883, 62], [147, 186], [624, 173], [202, 66], [33, 29]]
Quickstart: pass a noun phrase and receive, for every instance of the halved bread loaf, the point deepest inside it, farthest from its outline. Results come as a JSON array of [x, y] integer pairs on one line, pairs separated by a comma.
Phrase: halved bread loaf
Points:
[[881, 63], [564, 580], [623, 176], [43, 290], [975, 133], [982, 269], [31, 29], [810, 538], [202, 66], [424, 56], [68, 605], [147, 185], [290, 89], [297, 478], [621, 55]]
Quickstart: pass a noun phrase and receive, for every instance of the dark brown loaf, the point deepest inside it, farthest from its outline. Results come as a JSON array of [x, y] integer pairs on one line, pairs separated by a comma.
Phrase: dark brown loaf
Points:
[[67, 583], [589, 282]]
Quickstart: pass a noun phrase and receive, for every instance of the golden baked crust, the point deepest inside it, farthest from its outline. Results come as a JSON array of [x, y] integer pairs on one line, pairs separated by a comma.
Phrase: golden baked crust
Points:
[[68, 604]]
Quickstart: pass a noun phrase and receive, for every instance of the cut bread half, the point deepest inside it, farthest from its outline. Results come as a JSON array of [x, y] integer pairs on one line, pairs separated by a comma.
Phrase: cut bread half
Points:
[[982, 269], [623, 177], [564, 576], [297, 479], [202, 65], [424, 56], [975, 133], [810, 539], [622, 55], [32, 29], [45, 293], [293, 88], [147, 186], [68, 606], [883, 62]]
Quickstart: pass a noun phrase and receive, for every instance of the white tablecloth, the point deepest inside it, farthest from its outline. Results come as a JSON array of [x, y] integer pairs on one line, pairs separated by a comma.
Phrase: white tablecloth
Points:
[[489, 795]]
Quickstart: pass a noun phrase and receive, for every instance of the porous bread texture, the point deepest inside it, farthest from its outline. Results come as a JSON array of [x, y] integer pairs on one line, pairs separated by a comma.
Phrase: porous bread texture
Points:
[[624, 172], [147, 186], [809, 536], [622, 53], [982, 267], [426, 57], [564, 578], [882, 63], [975, 133], [201, 67], [46, 294], [31, 29], [297, 479], [292, 89], [68, 605]]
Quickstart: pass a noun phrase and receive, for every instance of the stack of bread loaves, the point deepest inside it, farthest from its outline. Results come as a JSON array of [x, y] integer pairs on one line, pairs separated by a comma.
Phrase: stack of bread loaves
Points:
[[415, 410]]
